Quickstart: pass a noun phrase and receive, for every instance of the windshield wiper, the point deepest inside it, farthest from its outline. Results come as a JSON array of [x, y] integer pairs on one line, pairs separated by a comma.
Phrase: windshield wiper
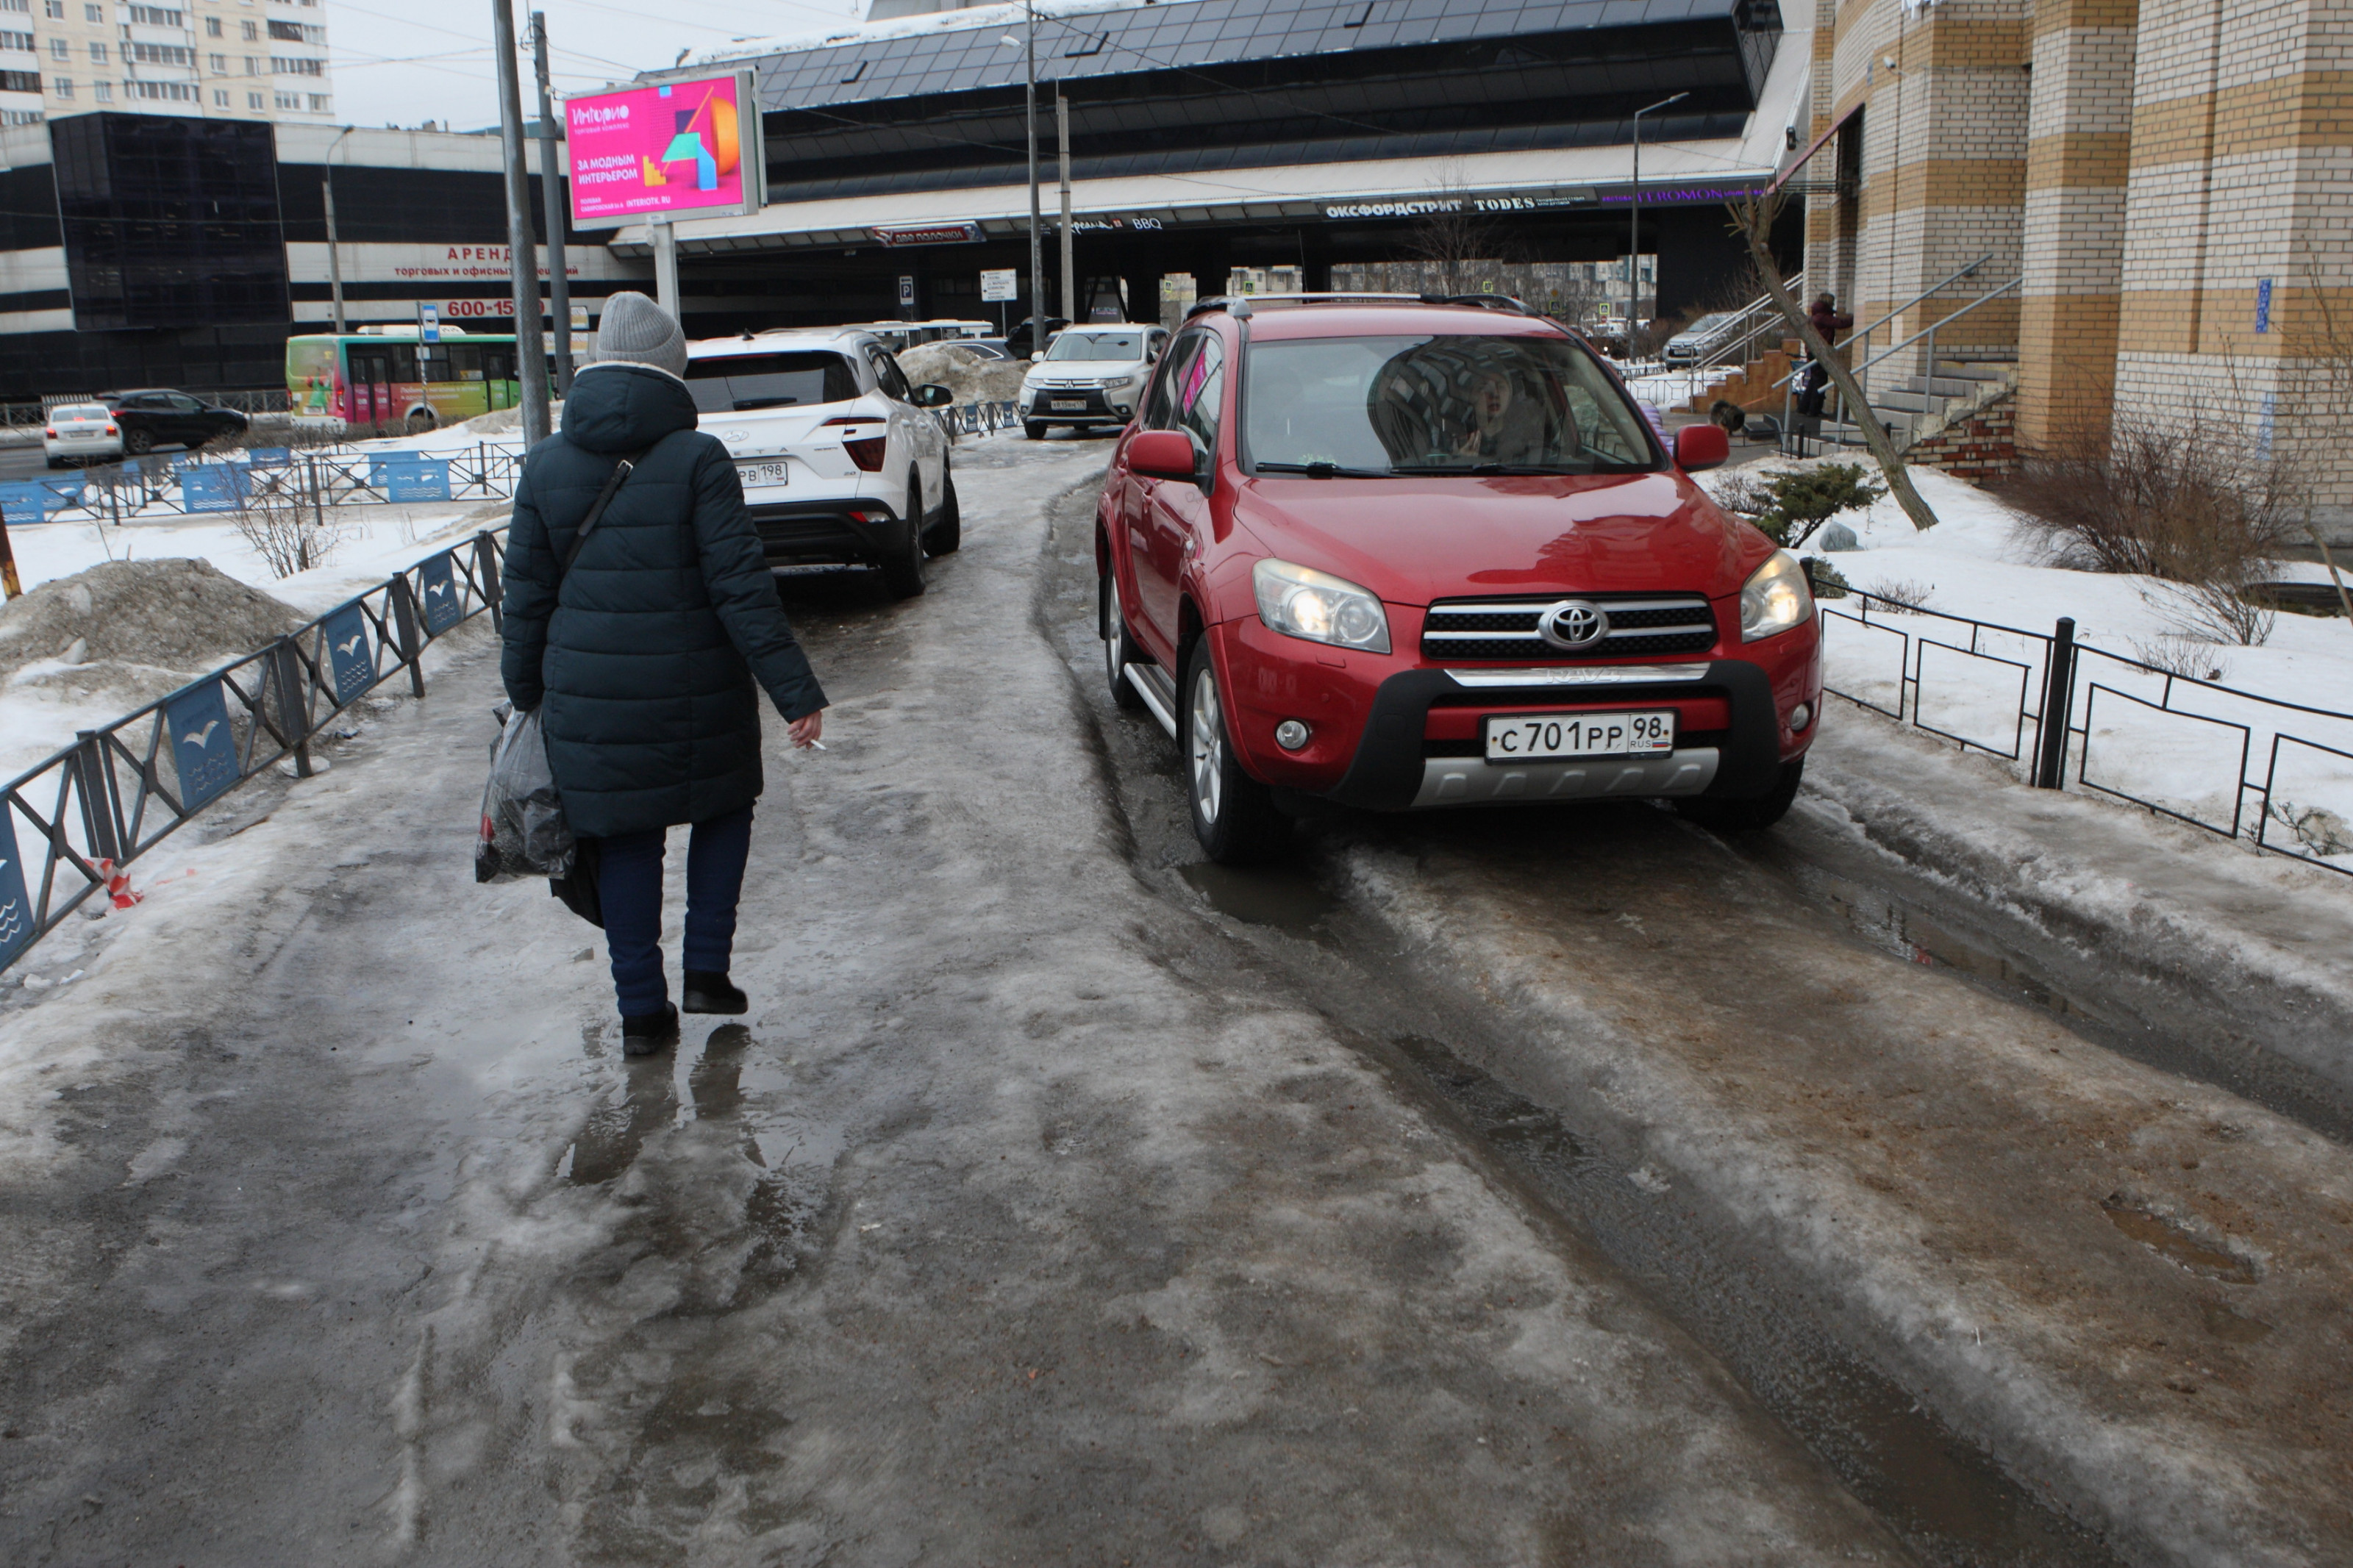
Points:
[[1321, 471], [743, 405]]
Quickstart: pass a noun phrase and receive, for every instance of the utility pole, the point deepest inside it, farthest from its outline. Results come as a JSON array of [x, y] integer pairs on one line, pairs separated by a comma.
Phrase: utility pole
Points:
[[551, 192], [1070, 272], [523, 254], [1036, 253], [1634, 206], [334, 251]]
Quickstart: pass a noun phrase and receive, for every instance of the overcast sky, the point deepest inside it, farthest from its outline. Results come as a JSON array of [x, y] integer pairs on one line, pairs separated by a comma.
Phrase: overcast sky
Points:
[[403, 62]]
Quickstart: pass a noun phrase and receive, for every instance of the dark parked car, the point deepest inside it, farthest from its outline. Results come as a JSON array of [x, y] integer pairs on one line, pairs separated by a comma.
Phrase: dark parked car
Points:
[[1021, 343], [159, 416]]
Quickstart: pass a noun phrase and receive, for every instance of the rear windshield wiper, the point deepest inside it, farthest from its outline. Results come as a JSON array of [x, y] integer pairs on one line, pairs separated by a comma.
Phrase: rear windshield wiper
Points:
[[745, 403]]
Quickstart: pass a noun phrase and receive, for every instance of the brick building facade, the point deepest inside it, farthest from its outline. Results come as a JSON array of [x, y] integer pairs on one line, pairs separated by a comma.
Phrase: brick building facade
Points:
[[2168, 183]]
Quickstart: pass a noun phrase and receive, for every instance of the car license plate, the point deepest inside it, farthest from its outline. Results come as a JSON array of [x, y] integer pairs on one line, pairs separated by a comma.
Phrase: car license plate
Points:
[[1068, 405], [756, 474], [1550, 737]]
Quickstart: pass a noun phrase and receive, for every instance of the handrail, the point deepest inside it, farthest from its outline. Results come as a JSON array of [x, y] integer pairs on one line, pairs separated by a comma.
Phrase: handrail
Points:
[[1930, 330], [1932, 288]]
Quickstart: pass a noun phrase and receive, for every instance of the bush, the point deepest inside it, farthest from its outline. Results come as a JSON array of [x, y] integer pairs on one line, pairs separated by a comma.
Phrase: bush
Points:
[[2189, 505], [1829, 582], [1802, 499]]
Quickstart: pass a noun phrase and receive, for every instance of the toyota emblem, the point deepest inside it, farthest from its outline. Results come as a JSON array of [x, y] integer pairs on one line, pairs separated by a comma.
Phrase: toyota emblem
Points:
[[1573, 624]]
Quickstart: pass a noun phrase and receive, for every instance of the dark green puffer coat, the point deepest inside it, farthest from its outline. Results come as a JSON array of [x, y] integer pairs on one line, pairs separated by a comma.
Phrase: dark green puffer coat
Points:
[[646, 659]]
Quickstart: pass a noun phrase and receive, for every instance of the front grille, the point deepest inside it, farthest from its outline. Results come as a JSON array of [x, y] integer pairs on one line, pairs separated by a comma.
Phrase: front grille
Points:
[[1640, 625]]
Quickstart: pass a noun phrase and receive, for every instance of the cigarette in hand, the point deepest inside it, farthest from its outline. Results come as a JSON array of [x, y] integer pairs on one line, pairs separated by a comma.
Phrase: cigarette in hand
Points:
[[820, 745]]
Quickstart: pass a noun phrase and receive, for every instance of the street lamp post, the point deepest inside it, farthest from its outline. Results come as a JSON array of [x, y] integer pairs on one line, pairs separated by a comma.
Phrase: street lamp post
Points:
[[1634, 207], [531, 354], [334, 251]]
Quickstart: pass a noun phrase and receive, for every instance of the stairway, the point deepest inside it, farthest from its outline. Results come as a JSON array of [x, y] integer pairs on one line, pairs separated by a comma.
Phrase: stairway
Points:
[[1922, 406]]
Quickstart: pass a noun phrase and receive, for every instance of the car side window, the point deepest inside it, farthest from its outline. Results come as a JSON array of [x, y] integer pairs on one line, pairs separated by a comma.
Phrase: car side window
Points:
[[183, 403], [893, 380], [1201, 390], [1160, 404]]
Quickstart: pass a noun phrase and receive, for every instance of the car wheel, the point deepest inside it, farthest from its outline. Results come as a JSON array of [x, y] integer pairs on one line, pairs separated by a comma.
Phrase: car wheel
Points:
[[1034, 429], [138, 441], [944, 537], [1119, 650], [1751, 815], [420, 420], [1233, 814], [903, 569]]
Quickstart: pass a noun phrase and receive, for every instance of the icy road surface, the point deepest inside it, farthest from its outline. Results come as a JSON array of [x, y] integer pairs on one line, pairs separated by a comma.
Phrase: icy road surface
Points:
[[1029, 1218]]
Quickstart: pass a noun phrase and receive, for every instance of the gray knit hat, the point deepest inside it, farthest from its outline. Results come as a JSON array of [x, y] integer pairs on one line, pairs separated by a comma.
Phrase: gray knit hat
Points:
[[635, 331]]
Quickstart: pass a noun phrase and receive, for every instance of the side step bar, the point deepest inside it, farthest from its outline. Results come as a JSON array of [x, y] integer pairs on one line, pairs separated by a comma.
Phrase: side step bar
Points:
[[1159, 693]]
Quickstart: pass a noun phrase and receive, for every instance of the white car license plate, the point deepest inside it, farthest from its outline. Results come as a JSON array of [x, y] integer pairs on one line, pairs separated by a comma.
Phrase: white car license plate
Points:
[[756, 474], [1549, 737], [1067, 404]]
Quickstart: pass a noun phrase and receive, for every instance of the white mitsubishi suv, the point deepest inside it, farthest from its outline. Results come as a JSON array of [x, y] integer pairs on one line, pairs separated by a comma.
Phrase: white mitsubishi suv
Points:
[[842, 461], [1090, 377]]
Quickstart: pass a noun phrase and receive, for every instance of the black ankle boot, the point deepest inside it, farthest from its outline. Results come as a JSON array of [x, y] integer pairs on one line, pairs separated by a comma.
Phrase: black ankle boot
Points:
[[710, 993], [648, 1032]]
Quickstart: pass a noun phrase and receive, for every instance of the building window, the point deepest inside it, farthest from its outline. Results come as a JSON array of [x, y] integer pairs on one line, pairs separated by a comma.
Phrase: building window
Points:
[[281, 65], [20, 117], [93, 13], [54, 10], [20, 81], [220, 98], [16, 41], [163, 92], [59, 49], [156, 16], [253, 100], [321, 104], [212, 27], [219, 64], [252, 66], [98, 54], [102, 90], [23, 7], [62, 86], [162, 55], [251, 31]]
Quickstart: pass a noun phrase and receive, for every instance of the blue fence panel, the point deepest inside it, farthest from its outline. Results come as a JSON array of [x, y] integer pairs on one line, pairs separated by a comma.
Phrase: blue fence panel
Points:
[[213, 487], [202, 743], [26, 501], [438, 577], [350, 652], [269, 456], [423, 478], [17, 927]]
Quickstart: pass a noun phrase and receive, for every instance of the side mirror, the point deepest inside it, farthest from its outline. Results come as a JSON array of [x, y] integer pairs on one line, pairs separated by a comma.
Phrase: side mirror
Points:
[[931, 394], [1161, 453], [1038, 356], [1700, 446]]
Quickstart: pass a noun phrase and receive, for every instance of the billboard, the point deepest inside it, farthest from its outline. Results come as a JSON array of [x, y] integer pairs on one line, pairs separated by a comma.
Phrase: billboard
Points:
[[670, 149]]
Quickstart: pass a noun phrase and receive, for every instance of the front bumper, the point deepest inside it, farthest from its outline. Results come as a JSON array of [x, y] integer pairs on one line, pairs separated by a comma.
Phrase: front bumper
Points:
[[1099, 409], [829, 532], [1389, 738]]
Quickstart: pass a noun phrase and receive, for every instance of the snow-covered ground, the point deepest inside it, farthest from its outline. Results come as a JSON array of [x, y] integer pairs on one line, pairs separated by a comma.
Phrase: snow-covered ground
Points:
[[2205, 759]]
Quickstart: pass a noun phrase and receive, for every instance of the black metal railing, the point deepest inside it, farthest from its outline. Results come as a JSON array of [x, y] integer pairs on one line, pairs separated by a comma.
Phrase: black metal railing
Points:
[[2176, 744], [70, 825]]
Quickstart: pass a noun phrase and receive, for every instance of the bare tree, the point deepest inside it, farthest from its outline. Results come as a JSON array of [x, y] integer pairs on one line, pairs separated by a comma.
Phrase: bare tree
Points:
[[1752, 218]]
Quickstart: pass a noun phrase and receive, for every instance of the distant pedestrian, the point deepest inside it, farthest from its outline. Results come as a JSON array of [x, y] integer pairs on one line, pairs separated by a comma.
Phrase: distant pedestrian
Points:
[[646, 652], [1832, 322]]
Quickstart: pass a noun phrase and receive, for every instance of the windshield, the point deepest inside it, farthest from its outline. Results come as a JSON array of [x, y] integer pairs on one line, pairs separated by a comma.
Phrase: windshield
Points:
[[731, 383], [1705, 325], [1097, 345], [81, 411], [1439, 405]]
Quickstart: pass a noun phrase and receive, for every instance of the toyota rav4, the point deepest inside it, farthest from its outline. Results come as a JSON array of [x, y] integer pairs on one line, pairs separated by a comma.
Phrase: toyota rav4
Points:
[[1398, 556]]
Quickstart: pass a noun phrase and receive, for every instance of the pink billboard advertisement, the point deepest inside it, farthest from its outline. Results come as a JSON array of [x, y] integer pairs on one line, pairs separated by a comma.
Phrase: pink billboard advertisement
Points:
[[676, 148]]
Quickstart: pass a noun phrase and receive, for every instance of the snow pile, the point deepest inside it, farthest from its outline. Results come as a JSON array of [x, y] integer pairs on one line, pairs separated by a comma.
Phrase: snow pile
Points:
[[170, 615], [2206, 760], [972, 378]]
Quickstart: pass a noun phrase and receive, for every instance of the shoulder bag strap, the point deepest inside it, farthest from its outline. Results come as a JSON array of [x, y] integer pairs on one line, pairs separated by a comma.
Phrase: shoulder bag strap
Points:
[[613, 483]]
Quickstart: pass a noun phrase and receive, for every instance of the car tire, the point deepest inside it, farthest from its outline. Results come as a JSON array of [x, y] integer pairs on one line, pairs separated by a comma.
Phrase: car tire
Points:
[[1119, 648], [1750, 815], [1234, 817], [903, 569], [421, 420], [57, 462], [1034, 429], [139, 443], [946, 536]]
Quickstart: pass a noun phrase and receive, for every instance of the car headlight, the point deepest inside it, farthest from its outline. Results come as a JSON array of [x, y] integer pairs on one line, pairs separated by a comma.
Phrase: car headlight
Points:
[[1300, 602], [1119, 383], [1774, 598]]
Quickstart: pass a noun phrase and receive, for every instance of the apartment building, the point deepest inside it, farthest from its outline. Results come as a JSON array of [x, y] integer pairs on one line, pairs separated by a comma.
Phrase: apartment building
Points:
[[216, 59], [2161, 185]]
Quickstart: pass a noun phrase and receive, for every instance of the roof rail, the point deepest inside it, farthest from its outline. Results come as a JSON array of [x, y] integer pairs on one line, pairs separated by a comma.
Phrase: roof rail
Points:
[[1487, 302], [1233, 305], [1240, 305]]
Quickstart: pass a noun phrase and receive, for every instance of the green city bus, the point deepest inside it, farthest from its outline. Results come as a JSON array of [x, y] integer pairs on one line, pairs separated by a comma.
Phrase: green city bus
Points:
[[387, 382]]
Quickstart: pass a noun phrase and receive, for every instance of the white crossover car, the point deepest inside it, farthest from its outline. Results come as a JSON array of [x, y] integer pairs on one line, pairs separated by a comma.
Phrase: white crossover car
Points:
[[842, 462], [82, 433], [1091, 376]]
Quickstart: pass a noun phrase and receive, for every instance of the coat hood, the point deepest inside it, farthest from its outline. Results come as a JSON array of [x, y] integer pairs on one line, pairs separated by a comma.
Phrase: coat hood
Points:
[[619, 407]]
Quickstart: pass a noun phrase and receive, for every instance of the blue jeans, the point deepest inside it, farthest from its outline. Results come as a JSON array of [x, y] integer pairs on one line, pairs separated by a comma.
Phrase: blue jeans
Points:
[[629, 883]]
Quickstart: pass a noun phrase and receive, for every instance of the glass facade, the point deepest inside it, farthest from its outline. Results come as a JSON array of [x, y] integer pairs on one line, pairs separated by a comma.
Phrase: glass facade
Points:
[[169, 222]]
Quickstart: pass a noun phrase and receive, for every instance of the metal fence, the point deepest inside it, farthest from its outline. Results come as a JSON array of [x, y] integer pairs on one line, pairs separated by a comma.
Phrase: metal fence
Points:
[[256, 400], [70, 825], [2236, 764]]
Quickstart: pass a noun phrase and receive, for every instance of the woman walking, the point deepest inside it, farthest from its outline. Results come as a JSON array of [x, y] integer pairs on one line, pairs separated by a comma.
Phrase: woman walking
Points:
[[645, 649]]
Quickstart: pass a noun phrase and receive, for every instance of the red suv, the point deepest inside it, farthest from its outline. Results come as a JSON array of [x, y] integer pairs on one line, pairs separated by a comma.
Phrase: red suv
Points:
[[1400, 555]]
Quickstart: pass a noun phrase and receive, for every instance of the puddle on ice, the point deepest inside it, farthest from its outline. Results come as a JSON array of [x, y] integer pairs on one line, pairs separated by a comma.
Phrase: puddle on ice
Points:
[[1889, 924], [2174, 1242], [1287, 899]]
